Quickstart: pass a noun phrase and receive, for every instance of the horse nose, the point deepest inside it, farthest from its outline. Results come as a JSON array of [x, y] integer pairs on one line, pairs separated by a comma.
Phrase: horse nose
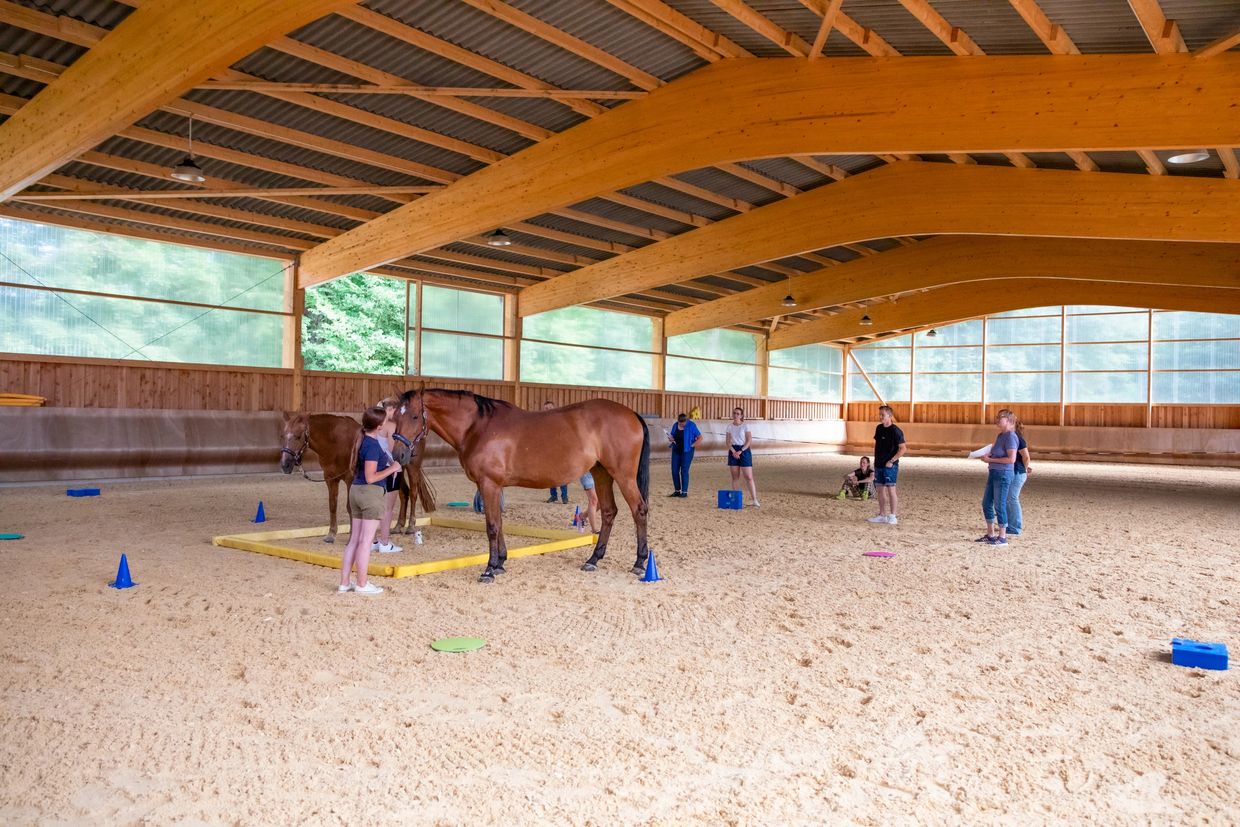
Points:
[[286, 466]]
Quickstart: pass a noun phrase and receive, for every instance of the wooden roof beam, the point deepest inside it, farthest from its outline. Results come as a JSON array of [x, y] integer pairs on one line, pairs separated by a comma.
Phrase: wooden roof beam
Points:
[[963, 301], [891, 201], [89, 192], [659, 16], [948, 260], [421, 91], [830, 12], [1051, 34], [1102, 101], [161, 50], [790, 42], [1217, 47], [1163, 34]]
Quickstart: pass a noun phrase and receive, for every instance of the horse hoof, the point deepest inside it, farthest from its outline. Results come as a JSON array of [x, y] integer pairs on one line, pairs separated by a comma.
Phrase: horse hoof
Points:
[[638, 570], [499, 570], [330, 538], [589, 567], [486, 577]]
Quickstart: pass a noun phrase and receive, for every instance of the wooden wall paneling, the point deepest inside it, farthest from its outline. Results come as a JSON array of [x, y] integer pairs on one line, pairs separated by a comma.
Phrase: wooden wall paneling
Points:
[[1109, 416]]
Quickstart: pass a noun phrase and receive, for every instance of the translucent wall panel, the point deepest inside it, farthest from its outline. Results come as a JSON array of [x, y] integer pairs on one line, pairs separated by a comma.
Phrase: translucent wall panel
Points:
[[466, 357], [1108, 357], [588, 326], [701, 376], [884, 360], [1022, 387], [1020, 331], [949, 359], [1022, 357], [821, 358], [893, 387], [51, 256], [464, 310], [803, 384], [1221, 388], [1027, 311], [947, 387], [962, 333], [728, 345], [1183, 325], [1117, 327], [1224, 353], [1107, 387], [571, 365], [39, 321], [355, 324]]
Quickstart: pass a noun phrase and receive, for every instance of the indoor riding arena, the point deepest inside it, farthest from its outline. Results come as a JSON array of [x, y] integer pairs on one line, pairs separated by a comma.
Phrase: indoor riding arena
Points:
[[609, 412]]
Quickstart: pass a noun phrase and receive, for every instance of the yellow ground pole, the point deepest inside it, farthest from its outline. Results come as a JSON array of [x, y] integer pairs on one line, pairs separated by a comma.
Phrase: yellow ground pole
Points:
[[260, 542]]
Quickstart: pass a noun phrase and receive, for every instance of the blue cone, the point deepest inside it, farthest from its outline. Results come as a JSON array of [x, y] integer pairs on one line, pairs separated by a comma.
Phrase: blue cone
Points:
[[123, 580], [652, 571], [260, 516]]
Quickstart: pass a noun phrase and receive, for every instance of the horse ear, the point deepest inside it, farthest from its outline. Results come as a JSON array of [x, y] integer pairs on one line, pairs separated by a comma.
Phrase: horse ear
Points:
[[285, 415]]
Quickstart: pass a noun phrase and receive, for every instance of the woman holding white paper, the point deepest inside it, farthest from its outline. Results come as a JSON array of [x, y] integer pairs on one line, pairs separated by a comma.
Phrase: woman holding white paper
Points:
[[1001, 460]]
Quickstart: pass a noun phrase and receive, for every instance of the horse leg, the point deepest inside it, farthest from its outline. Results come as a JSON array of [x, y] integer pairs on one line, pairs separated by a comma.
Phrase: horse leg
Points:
[[333, 489], [495, 530], [406, 505], [640, 509], [607, 506]]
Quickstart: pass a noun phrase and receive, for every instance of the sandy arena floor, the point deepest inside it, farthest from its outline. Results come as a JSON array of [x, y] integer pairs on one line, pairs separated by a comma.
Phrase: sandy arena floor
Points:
[[775, 677]]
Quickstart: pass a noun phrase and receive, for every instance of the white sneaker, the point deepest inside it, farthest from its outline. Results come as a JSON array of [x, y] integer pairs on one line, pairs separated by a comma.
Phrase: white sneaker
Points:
[[387, 548], [369, 588], [891, 520], [343, 589], [877, 518]]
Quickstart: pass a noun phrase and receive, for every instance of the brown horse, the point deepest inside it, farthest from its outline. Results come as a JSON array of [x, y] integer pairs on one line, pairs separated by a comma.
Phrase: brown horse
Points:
[[331, 437], [501, 445]]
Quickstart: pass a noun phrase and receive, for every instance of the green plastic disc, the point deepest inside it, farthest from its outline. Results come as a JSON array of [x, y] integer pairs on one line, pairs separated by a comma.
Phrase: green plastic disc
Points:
[[458, 644], [458, 505], [11, 536]]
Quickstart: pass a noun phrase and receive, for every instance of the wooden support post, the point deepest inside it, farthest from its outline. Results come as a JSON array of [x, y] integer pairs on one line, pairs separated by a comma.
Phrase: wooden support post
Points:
[[1063, 361], [763, 355], [512, 346], [981, 416], [844, 384], [912, 377], [297, 394], [417, 332], [408, 323], [1149, 370]]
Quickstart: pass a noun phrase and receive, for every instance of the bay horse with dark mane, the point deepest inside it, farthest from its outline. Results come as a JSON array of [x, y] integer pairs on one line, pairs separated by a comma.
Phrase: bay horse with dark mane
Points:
[[501, 445], [331, 438]]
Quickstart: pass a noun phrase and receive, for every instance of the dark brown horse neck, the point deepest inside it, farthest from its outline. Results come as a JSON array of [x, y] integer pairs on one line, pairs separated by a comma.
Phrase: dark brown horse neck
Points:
[[452, 414]]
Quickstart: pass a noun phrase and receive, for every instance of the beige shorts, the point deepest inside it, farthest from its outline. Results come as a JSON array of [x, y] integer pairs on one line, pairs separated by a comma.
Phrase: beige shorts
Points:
[[366, 502]]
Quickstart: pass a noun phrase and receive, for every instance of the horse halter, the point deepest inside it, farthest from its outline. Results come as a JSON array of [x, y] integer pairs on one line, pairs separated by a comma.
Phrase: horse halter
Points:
[[421, 436], [296, 455]]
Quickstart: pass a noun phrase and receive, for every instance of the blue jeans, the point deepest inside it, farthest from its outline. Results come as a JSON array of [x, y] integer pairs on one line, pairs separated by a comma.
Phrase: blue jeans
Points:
[[563, 493], [995, 500], [1014, 522], [681, 460]]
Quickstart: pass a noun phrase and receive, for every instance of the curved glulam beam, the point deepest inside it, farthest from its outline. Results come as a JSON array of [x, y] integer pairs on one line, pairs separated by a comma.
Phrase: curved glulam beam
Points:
[[162, 49], [955, 259], [965, 301], [741, 109], [915, 198]]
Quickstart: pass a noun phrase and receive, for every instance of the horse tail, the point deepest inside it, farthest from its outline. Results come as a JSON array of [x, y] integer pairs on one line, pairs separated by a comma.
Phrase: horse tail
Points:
[[426, 492], [643, 465]]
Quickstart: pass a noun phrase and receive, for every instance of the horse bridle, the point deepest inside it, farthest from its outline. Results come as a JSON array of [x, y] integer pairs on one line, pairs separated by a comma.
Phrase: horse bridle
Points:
[[296, 455], [421, 436]]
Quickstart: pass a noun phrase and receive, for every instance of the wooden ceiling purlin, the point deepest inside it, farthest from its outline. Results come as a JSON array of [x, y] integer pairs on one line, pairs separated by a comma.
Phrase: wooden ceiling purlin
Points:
[[955, 303], [892, 200], [994, 103], [948, 260], [663, 18], [157, 53]]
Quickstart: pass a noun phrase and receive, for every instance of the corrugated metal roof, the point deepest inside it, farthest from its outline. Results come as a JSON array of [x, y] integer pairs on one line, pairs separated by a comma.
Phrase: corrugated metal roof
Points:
[[105, 13], [17, 41], [724, 183], [788, 171], [994, 26], [603, 25], [568, 225], [1099, 26], [852, 164], [897, 26], [659, 194], [619, 212], [1203, 21], [491, 37], [20, 87], [706, 13]]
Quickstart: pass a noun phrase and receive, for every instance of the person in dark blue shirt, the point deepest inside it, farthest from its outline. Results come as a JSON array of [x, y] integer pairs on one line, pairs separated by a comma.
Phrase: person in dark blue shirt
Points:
[[683, 438], [371, 466], [1015, 516]]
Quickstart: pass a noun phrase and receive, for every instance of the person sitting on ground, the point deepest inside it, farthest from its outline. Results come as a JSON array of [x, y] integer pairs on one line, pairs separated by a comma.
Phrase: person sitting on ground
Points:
[[859, 484]]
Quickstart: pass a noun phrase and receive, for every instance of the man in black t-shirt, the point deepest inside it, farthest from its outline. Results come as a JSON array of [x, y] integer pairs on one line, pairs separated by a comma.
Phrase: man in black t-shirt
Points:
[[888, 448]]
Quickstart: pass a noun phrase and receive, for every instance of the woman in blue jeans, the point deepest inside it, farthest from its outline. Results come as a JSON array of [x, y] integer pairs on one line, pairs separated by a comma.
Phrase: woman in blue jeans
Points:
[[1021, 468], [682, 439], [1001, 461]]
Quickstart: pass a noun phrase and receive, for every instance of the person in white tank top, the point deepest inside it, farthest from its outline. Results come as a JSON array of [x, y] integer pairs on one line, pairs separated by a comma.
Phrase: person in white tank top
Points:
[[740, 457]]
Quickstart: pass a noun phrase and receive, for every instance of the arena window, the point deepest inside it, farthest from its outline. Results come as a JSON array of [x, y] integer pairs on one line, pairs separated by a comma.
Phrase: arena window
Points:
[[462, 333], [587, 346], [812, 372], [730, 368]]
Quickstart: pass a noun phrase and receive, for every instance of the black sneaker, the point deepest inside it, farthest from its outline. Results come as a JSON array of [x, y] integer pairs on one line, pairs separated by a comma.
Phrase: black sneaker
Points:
[[985, 538], [674, 494], [552, 500]]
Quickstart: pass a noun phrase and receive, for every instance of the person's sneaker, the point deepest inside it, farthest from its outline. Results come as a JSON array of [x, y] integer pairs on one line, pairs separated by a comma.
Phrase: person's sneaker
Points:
[[683, 494], [877, 518], [674, 494], [552, 499], [841, 495], [999, 541], [369, 588], [865, 495], [388, 548], [985, 538], [757, 504], [343, 589], [891, 520]]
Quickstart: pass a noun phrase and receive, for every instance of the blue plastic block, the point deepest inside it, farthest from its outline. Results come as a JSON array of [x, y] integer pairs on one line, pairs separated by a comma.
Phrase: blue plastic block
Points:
[[1198, 655], [82, 492], [731, 499]]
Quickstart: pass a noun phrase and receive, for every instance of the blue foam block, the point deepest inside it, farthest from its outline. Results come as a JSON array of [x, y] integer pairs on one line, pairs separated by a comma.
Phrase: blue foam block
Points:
[[731, 499], [1199, 655], [82, 492]]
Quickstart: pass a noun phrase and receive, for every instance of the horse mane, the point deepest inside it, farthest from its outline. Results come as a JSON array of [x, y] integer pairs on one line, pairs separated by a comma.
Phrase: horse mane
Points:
[[486, 405]]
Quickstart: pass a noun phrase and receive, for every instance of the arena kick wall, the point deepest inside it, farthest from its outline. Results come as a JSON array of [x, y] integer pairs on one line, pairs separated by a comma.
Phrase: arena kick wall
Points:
[[108, 420]]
